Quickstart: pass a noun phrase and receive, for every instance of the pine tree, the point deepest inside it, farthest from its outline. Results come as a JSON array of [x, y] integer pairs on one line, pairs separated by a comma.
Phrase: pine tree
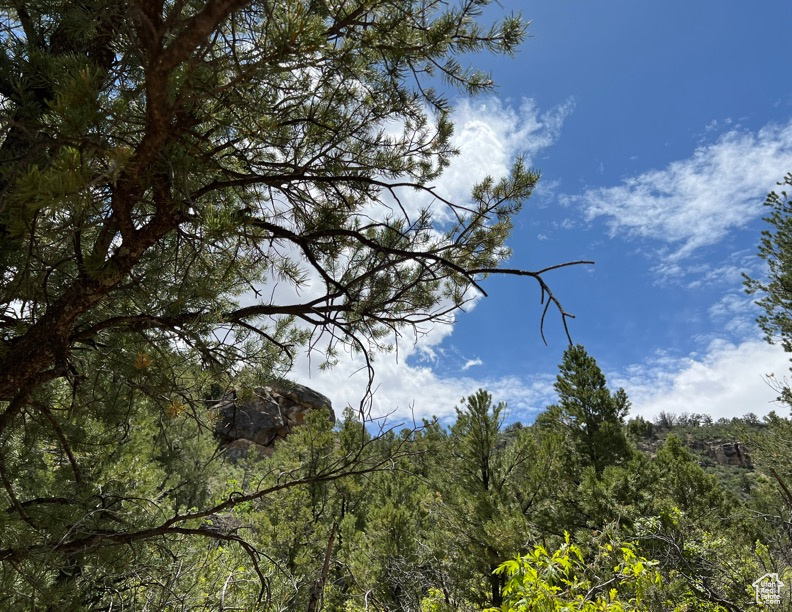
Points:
[[775, 291], [587, 412], [494, 483], [159, 160]]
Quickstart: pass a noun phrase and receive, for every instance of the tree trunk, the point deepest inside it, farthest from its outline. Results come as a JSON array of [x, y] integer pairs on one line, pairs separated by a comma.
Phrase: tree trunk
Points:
[[315, 602], [496, 584]]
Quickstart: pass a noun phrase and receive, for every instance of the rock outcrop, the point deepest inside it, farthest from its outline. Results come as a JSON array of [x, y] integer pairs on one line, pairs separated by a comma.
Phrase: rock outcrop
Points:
[[723, 452], [730, 453], [255, 421]]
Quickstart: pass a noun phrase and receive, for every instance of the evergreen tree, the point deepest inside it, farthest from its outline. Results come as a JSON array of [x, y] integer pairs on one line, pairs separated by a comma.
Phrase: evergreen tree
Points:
[[775, 248], [588, 413], [775, 298], [476, 435], [476, 453], [496, 480], [160, 159]]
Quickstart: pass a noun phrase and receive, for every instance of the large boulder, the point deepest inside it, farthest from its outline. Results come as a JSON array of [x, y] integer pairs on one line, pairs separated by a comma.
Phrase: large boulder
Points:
[[257, 419]]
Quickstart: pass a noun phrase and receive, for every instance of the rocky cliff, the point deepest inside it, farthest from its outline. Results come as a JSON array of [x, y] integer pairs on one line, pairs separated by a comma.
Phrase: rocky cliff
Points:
[[255, 420]]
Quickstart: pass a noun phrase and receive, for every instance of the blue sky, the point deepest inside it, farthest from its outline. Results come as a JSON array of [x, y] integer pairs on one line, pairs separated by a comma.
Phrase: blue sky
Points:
[[658, 128]]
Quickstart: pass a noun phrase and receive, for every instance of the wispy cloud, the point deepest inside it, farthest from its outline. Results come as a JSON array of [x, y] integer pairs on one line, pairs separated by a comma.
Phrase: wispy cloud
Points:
[[472, 363], [703, 274], [735, 312], [695, 202]]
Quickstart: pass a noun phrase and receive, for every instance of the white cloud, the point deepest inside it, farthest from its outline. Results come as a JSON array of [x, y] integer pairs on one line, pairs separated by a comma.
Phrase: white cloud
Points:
[[489, 134], [401, 391], [526, 396], [728, 271], [735, 312], [695, 202], [728, 380], [407, 391], [471, 363]]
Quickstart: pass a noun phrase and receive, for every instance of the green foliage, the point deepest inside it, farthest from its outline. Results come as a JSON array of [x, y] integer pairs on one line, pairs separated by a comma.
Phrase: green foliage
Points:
[[541, 581], [475, 434], [496, 481], [587, 413], [162, 169], [775, 294], [775, 250], [435, 602], [639, 428], [687, 484]]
